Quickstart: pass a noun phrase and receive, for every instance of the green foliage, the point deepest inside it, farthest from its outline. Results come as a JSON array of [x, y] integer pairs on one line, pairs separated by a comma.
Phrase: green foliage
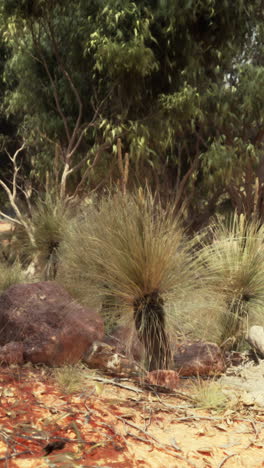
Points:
[[235, 263], [120, 40], [180, 82]]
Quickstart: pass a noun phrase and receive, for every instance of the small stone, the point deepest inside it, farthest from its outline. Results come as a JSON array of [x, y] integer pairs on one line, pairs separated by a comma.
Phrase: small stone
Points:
[[163, 378]]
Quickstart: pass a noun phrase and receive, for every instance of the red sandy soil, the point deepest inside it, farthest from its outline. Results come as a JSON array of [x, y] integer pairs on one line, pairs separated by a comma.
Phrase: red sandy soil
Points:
[[109, 426]]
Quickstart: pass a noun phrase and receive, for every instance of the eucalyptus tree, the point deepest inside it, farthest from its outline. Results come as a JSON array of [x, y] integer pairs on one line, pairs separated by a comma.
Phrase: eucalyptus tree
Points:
[[169, 78]]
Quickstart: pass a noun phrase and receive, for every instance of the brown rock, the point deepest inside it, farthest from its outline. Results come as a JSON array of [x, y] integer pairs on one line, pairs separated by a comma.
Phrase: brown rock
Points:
[[198, 359], [104, 357], [12, 353], [51, 326], [164, 378]]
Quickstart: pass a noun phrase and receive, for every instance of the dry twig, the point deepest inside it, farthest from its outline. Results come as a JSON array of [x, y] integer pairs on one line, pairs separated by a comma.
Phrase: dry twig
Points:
[[117, 384], [225, 459]]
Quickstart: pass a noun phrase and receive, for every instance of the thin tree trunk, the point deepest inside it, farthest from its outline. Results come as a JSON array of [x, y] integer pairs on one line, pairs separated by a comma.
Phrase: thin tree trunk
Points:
[[149, 319]]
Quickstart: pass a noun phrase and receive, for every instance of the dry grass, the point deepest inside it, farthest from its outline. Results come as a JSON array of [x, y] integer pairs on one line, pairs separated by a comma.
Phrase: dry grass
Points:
[[10, 274], [209, 395], [70, 378]]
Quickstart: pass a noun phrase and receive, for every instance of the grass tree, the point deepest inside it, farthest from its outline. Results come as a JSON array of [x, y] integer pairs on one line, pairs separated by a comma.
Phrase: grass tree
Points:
[[130, 254], [234, 259], [50, 219]]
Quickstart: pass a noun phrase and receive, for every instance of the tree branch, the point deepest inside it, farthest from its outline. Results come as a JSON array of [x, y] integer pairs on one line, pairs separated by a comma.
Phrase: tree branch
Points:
[[54, 88], [73, 88], [12, 194]]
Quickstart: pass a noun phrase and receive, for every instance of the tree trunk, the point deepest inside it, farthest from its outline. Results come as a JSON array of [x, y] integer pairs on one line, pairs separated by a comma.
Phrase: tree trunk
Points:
[[149, 319]]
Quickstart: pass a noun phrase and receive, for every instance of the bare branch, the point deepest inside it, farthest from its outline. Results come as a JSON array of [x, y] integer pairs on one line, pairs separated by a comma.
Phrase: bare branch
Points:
[[12, 195], [9, 218]]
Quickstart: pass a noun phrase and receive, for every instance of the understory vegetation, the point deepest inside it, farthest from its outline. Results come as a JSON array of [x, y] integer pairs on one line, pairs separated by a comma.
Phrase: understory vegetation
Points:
[[131, 168], [130, 257]]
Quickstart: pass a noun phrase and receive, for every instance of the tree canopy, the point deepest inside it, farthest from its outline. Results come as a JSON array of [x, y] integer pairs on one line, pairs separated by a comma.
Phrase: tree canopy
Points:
[[180, 82]]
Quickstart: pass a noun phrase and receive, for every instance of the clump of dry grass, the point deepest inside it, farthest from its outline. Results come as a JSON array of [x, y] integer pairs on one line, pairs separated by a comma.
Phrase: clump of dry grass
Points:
[[209, 395], [131, 255], [70, 378]]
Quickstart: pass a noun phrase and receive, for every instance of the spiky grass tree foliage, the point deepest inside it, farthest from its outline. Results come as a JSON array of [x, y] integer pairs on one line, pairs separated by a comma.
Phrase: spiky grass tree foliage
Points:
[[235, 265], [50, 219], [10, 274], [130, 254]]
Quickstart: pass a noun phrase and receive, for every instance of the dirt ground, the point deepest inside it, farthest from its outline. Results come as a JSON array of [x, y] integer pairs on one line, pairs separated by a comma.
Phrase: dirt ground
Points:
[[114, 422]]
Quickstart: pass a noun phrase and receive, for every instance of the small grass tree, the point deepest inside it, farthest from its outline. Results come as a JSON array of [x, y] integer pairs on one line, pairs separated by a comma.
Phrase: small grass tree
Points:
[[234, 259], [50, 219], [132, 254]]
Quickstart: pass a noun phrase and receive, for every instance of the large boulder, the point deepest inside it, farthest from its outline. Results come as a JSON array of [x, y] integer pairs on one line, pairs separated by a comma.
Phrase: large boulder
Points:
[[198, 359], [50, 325]]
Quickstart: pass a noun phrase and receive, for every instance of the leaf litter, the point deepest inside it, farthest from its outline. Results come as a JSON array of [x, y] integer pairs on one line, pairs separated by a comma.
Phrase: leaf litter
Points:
[[110, 424]]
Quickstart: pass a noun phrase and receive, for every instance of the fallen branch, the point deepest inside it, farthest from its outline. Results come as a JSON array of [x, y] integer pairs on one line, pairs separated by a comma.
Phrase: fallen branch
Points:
[[15, 455], [116, 384]]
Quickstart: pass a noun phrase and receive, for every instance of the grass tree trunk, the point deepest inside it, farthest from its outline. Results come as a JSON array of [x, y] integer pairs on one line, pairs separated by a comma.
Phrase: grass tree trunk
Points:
[[235, 323], [149, 316]]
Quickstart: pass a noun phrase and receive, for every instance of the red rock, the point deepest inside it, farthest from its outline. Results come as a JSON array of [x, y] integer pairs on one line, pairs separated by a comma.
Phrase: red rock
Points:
[[164, 378], [198, 359], [53, 328], [104, 357]]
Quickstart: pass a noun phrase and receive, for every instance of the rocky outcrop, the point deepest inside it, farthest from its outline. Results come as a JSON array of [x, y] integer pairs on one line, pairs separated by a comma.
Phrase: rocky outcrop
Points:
[[49, 325]]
